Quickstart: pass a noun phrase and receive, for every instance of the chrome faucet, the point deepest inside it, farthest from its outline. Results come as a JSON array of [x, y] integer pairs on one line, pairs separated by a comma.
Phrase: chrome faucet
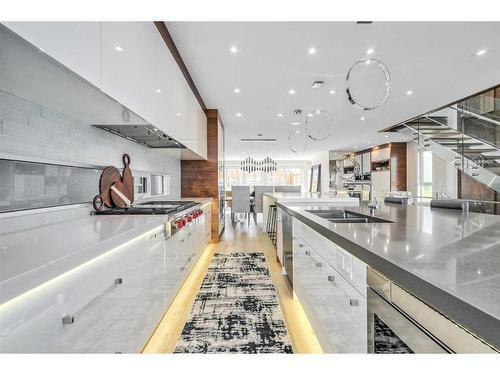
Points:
[[373, 204]]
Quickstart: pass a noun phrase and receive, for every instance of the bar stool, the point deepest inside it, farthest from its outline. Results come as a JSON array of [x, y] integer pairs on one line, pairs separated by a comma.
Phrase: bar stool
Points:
[[271, 223]]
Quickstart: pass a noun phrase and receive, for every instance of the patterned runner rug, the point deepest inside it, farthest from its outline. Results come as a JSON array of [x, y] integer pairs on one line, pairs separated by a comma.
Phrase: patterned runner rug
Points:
[[236, 310]]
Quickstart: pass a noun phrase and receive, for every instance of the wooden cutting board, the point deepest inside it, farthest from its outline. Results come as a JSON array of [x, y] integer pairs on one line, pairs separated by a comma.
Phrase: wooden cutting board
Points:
[[109, 176], [127, 179]]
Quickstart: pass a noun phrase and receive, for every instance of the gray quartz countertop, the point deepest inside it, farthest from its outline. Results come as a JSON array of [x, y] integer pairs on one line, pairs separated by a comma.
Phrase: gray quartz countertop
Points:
[[449, 259]]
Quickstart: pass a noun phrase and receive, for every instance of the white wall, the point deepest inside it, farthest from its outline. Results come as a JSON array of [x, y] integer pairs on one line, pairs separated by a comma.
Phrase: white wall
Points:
[[28, 130], [323, 158]]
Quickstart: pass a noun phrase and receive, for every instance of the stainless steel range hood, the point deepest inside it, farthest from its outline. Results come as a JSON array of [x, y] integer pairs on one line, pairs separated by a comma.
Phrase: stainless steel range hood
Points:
[[146, 135]]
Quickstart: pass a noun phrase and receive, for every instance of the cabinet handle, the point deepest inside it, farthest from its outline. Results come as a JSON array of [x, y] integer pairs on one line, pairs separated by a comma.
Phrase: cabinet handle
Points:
[[301, 245], [353, 302], [308, 252], [318, 264], [331, 278]]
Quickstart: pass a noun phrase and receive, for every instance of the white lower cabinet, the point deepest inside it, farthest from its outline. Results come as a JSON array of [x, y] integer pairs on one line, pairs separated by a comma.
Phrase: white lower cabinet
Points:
[[336, 309], [115, 300]]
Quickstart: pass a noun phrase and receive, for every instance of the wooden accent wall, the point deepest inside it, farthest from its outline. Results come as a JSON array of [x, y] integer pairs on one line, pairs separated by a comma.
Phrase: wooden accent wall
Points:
[[199, 178], [398, 166]]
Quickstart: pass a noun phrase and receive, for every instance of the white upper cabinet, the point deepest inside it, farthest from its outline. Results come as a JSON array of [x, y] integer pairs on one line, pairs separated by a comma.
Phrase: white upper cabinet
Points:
[[73, 44], [138, 70]]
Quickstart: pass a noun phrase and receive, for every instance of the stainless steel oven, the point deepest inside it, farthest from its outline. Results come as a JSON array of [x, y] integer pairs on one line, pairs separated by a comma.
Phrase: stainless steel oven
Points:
[[390, 329]]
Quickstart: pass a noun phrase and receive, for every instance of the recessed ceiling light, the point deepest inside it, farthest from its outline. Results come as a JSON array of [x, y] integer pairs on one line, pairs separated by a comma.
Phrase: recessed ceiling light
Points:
[[41, 49], [297, 131], [480, 52], [362, 118], [291, 91], [239, 114], [155, 130], [355, 146], [387, 136], [280, 115], [312, 51], [178, 114], [296, 123], [409, 92], [158, 91], [233, 49], [369, 51], [310, 115], [236, 90], [369, 142], [332, 91], [118, 48]]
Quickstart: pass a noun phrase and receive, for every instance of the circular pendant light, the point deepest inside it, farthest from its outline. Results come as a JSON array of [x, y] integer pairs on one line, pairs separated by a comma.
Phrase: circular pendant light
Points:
[[297, 141], [318, 125], [368, 84]]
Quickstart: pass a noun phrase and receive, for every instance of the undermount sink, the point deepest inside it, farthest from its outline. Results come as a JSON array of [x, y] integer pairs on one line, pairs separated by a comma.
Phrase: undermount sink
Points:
[[345, 216]]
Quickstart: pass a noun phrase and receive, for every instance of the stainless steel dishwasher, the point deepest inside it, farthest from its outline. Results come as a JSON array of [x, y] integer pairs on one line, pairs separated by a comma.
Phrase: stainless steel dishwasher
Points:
[[287, 226]]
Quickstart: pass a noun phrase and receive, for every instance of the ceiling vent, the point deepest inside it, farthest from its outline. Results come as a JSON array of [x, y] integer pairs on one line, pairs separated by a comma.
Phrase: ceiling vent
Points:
[[258, 139], [297, 112], [318, 84]]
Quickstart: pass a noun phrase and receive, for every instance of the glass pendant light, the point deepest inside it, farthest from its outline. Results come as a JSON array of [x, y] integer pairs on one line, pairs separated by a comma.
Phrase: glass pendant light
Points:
[[297, 141], [318, 122], [368, 84]]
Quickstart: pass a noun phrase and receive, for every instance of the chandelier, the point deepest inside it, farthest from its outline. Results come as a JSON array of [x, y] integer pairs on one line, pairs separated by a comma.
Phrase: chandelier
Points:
[[266, 164]]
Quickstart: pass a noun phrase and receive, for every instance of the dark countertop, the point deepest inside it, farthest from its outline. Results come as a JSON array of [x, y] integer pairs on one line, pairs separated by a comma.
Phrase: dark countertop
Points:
[[448, 259]]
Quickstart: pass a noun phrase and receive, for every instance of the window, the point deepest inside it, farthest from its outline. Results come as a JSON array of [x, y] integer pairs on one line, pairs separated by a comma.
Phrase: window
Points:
[[282, 176], [425, 174]]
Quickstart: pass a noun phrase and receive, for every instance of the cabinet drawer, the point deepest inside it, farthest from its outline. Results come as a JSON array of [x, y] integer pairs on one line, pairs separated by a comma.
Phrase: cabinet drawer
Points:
[[351, 268], [335, 309]]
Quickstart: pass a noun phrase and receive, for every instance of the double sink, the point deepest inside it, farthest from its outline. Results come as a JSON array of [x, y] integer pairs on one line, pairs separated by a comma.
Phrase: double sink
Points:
[[345, 216]]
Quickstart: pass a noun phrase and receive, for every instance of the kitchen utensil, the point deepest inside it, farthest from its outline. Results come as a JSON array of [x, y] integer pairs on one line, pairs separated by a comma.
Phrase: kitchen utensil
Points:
[[127, 179], [109, 176]]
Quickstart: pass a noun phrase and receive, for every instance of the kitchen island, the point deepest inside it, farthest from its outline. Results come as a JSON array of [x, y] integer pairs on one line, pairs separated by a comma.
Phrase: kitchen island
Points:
[[447, 259], [297, 199]]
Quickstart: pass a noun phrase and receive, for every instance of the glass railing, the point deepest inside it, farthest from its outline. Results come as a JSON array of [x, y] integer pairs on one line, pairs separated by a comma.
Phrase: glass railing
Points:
[[479, 117], [466, 135]]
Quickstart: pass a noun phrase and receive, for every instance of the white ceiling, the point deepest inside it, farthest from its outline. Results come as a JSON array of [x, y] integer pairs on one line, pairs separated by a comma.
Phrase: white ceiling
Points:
[[437, 61]]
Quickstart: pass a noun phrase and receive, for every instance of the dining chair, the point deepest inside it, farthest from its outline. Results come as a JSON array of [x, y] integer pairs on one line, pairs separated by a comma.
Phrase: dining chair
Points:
[[240, 201], [258, 206]]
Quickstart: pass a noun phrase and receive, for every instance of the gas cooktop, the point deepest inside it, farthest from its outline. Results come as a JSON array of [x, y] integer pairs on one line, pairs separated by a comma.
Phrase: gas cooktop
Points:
[[150, 208]]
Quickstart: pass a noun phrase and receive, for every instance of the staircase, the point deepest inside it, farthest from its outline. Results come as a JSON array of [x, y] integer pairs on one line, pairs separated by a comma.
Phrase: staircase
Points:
[[475, 150]]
